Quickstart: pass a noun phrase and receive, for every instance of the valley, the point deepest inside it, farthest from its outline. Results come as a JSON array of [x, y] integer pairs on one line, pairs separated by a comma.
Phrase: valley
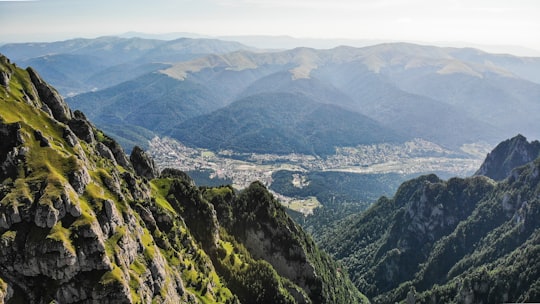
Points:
[[414, 157]]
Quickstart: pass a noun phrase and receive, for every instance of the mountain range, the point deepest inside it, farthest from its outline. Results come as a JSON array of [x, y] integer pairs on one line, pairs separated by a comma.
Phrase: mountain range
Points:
[[259, 124], [450, 96], [445, 95], [81, 65]]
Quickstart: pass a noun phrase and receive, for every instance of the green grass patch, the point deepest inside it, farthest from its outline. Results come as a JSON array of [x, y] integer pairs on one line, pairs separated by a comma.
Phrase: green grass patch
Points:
[[8, 236], [112, 242], [19, 192], [87, 214], [61, 234], [211, 193], [149, 245], [136, 270], [160, 189], [111, 277]]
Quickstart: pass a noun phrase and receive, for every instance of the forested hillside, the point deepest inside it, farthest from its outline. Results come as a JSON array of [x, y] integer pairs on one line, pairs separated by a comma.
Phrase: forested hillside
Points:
[[460, 240]]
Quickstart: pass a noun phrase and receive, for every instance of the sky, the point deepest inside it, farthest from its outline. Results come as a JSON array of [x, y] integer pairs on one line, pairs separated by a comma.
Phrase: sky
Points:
[[481, 22]]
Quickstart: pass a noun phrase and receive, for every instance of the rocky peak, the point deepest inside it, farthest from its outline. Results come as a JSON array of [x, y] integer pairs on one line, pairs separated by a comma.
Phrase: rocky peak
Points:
[[143, 165], [5, 75], [9, 152], [50, 97], [82, 127], [509, 154]]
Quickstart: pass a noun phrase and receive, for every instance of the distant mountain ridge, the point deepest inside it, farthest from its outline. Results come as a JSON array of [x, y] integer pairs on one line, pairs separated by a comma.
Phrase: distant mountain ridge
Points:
[[82, 65], [448, 96], [282, 123], [444, 95]]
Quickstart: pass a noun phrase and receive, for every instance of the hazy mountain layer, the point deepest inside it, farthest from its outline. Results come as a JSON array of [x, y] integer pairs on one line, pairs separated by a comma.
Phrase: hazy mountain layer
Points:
[[445, 95], [81, 65], [282, 123]]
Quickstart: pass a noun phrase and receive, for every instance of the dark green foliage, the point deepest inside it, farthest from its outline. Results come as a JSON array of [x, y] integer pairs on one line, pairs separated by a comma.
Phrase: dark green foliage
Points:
[[155, 102], [198, 214], [335, 188], [341, 193], [175, 173], [254, 210], [282, 123], [453, 241]]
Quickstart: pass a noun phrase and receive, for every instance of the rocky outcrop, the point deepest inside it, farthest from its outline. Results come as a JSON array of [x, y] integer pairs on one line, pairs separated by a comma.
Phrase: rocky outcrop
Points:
[[117, 152], [43, 141], [5, 75], [79, 179], [143, 165], [70, 137], [105, 152], [508, 155], [82, 127], [11, 155], [50, 97]]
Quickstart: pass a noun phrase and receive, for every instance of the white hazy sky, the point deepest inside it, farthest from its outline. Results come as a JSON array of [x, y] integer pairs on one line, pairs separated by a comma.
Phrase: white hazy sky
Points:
[[491, 22]]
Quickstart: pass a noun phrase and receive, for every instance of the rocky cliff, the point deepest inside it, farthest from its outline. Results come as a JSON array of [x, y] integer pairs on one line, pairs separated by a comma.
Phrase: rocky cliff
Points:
[[508, 155], [82, 223]]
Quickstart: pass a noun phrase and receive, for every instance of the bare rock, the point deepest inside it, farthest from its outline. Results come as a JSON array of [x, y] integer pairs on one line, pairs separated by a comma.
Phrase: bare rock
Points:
[[118, 152], [4, 79], [146, 216], [134, 188], [82, 128], [105, 152], [79, 178], [70, 137], [10, 154], [5, 75], [46, 216], [43, 141], [144, 165], [110, 219], [50, 97]]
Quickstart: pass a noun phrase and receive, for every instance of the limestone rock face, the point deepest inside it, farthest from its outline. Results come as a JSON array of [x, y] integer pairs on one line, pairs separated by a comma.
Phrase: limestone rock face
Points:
[[508, 155], [70, 137], [79, 179], [10, 153], [81, 127], [50, 97], [118, 153], [144, 166], [5, 75], [105, 152]]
